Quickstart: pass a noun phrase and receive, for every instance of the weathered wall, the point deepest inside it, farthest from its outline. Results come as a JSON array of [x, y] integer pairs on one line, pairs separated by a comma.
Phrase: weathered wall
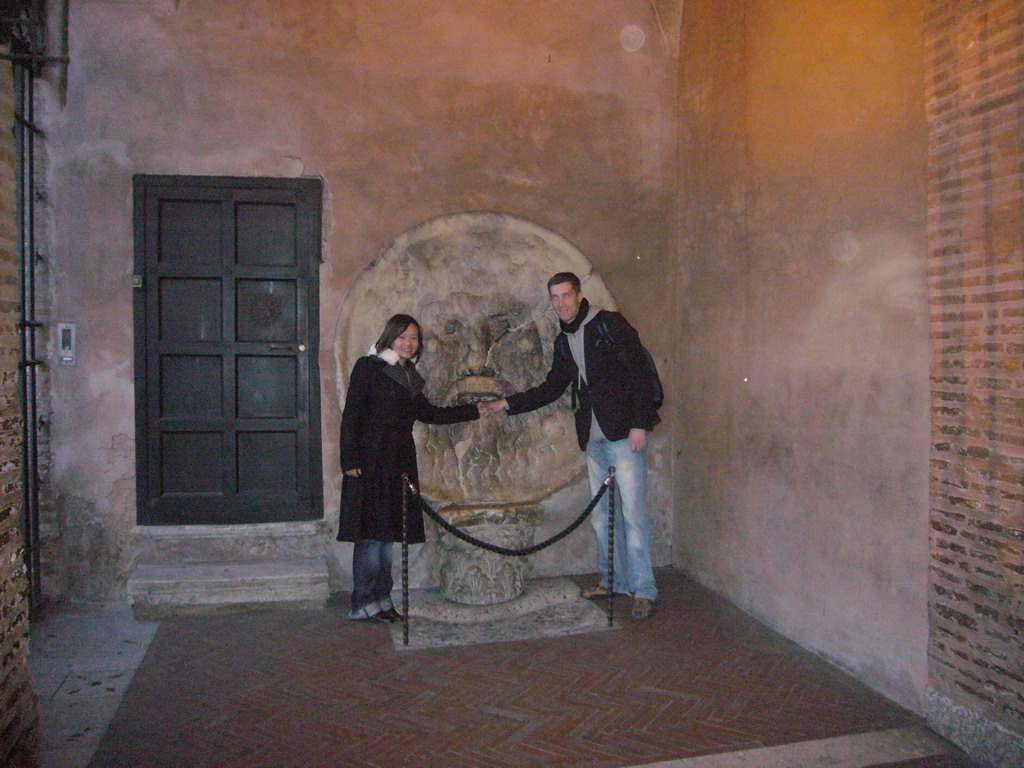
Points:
[[803, 450], [406, 108], [975, 66], [18, 717]]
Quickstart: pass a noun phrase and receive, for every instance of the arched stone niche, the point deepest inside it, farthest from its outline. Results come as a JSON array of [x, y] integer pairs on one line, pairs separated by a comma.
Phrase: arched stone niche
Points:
[[476, 281]]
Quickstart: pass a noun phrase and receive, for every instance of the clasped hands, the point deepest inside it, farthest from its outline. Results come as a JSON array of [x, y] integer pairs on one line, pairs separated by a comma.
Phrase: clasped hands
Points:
[[487, 407]]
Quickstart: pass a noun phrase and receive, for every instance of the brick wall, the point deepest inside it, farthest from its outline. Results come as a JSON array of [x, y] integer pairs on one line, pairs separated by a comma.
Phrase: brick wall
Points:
[[975, 106], [18, 716]]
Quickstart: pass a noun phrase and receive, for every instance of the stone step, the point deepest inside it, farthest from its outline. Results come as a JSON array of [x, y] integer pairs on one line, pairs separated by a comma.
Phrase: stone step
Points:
[[183, 544], [162, 590]]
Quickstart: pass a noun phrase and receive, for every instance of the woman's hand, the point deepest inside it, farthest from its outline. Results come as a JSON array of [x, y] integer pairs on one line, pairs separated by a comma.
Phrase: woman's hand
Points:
[[354, 472]]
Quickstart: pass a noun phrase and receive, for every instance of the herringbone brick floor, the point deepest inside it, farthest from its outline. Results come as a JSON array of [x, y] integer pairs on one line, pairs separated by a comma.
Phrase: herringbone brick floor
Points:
[[315, 689]]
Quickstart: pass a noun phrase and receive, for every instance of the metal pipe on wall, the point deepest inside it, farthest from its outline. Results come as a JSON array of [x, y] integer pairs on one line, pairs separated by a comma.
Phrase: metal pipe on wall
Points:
[[28, 324]]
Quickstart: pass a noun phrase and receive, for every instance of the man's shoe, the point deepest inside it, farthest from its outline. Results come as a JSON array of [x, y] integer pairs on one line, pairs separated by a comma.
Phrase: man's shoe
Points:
[[391, 615], [595, 593], [643, 608]]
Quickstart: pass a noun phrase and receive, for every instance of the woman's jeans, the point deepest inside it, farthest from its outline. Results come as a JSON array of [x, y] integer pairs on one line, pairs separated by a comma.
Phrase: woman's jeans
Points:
[[633, 571], [371, 578]]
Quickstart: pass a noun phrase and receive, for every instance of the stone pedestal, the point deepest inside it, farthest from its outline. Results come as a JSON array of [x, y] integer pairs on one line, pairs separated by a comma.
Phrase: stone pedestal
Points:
[[550, 607], [474, 576]]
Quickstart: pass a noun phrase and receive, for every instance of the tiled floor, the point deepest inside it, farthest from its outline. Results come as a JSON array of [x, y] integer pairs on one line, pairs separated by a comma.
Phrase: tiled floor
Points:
[[315, 689]]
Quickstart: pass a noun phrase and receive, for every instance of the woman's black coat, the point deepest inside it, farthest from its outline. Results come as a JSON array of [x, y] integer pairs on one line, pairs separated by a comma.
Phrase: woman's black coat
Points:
[[382, 404]]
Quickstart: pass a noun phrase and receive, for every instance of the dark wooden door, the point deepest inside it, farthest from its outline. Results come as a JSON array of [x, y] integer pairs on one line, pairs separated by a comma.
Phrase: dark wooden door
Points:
[[226, 378]]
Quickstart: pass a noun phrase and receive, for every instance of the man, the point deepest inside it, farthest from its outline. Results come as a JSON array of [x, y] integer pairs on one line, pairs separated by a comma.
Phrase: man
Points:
[[600, 355]]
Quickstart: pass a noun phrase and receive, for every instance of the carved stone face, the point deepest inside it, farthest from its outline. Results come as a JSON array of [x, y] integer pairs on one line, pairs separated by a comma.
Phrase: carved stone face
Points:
[[476, 283], [481, 347]]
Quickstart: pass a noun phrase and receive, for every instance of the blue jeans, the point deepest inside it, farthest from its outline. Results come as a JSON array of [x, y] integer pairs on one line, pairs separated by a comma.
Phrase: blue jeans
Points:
[[633, 571], [371, 578]]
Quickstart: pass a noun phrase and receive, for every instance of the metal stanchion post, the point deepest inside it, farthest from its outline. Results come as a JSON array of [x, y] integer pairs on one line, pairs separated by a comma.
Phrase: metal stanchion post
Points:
[[611, 545], [406, 487]]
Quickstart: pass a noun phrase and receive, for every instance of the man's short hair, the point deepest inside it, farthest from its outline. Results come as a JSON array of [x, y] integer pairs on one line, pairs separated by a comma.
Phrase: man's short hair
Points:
[[565, 277]]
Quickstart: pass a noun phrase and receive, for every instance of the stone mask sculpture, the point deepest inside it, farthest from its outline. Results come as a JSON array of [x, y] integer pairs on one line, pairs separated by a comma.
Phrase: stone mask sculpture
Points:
[[484, 347], [476, 282]]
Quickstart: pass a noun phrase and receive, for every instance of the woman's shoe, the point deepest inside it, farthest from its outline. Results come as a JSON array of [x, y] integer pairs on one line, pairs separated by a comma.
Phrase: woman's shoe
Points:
[[362, 614], [392, 615]]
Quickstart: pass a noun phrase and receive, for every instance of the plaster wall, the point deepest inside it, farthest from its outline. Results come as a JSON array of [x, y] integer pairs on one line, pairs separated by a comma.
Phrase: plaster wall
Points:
[[803, 462], [407, 109]]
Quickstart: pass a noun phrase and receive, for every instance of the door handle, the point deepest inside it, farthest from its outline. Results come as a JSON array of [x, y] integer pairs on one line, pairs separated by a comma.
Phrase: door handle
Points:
[[300, 347]]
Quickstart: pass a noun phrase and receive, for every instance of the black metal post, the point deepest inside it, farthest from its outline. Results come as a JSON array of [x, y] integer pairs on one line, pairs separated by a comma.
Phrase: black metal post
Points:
[[406, 488], [611, 545]]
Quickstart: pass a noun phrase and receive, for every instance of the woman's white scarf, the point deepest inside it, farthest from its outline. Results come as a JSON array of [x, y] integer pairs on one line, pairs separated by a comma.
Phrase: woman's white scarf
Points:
[[389, 356]]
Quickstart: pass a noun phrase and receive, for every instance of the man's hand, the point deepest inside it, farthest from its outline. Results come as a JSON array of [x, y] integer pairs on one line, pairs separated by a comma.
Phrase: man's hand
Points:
[[354, 472], [637, 439], [487, 407]]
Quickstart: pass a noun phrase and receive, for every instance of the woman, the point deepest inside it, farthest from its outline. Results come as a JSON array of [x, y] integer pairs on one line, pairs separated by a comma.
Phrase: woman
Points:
[[385, 397]]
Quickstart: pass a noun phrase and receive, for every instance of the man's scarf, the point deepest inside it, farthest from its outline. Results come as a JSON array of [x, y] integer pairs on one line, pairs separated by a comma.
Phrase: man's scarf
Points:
[[573, 325]]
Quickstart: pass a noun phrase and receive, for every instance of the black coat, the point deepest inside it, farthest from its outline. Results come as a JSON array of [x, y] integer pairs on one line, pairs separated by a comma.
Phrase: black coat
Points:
[[618, 392], [381, 407]]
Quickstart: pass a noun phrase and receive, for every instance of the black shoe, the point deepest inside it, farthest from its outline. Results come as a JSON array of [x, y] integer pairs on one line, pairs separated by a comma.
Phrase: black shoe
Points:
[[391, 615], [643, 608]]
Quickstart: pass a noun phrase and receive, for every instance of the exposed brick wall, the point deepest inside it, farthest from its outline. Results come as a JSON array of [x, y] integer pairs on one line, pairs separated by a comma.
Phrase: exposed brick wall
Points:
[[18, 718], [975, 105]]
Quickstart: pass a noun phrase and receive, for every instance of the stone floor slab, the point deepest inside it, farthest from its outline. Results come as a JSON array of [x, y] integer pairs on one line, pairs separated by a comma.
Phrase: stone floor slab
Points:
[[82, 657]]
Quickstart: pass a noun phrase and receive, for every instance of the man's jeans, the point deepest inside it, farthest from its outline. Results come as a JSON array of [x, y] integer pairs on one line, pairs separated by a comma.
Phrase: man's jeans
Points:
[[371, 578], [633, 571]]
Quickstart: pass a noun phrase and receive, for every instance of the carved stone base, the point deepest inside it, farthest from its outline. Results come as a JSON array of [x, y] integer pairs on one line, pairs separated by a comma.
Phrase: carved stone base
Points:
[[474, 576]]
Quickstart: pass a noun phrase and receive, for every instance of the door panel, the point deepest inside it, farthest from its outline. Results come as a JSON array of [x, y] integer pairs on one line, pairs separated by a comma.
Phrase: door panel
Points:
[[263, 234], [266, 310], [191, 463], [266, 388], [227, 382], [190, 309], [267, 461], [190, 386], [190, 231]]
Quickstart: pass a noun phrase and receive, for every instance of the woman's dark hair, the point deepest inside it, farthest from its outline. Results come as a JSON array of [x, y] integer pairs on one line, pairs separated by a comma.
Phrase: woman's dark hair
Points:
[[395, 327], [565, 277]]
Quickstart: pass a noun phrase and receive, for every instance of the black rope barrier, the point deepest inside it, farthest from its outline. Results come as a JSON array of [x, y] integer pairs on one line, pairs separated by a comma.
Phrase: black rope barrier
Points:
[[436, 517]]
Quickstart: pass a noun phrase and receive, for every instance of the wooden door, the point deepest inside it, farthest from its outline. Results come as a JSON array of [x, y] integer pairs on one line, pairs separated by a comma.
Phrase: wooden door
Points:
[[226, 338]]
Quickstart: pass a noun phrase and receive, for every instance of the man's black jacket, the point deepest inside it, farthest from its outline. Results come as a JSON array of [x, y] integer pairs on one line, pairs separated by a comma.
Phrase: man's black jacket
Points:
[[618, 390]]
